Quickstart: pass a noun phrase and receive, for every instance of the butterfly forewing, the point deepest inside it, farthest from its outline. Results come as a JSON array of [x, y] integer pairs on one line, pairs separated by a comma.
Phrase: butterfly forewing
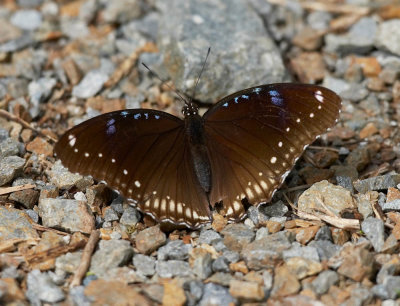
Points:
[[255, 136], [143, 154]]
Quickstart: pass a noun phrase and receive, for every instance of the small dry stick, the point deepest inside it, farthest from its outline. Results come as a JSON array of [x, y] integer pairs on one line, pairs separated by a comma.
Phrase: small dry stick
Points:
[[86, 256], [6, 190], [25, 124], [42, 228]]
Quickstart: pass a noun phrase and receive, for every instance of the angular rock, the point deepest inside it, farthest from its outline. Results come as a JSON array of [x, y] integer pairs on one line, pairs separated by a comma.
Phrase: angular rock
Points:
[[90, 85], [388, 36], [172, 268], [10, 167], [375, 231], [175, 249], [69, 215], [111, 254], [302, 267], [63, 179], [200, 262], [216, 295], [42, 289], [267, 252], [246, 291], [324, 281], [102, 292], [144, 264], [377, 183], [130, 217], [278, 209], [237, 236], [285, 283], [335, 198], [15, 224], [150, 240], [208, 237], [9, 147], [184, 40]]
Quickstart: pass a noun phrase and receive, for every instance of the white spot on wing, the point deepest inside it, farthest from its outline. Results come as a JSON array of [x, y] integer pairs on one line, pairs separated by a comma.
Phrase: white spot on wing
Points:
[[72, 141], [273, 160], [125, 171], [157, 116], [137, 184], [113, 160], [225, 104], [280, 144], [100, 155], [86, 154]]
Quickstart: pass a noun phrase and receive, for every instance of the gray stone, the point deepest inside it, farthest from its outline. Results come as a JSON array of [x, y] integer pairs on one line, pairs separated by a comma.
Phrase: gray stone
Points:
[[69, 262], [90, 85], [63, 179], [28, 20], [121, 11], [388, 37], [130, 217], [345, 182], [10, 167], [319, 20], [150, 240], [111, 254], [19, 43], [267, 252], [335, 84], [3, 133], [360, 296], [219, 245], [110, 215], [40, 90], [221, 264], [69, 215], [324, 233], [172, 268], [355, 93], [237, 235], [144, 264], [78, 297], [117, 205], [382, 182], [15, 224], [324, 281], [374, 229], [325, 249], [359, 39], [196, 25], [220, 278], [74, 28], [201, 264], [42, 289], [29, 3], [278, 209], [392, 205], [147, 26], [33, 215], [216, 295], [208, 236], [231, 256], [194, 291], [9, 147], [364, 205], [261, 233], [297, 250], [389, 289], [175, 249]]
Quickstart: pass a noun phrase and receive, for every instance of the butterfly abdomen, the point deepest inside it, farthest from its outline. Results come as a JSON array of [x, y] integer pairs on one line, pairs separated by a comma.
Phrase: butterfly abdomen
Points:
[[198, 150]]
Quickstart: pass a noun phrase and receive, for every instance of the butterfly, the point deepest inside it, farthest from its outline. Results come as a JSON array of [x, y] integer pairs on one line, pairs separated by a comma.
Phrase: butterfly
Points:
[[176, 170]]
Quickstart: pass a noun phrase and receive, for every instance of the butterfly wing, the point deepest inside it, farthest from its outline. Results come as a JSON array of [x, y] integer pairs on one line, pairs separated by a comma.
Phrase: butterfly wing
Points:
[[255, 136], [144, 155]]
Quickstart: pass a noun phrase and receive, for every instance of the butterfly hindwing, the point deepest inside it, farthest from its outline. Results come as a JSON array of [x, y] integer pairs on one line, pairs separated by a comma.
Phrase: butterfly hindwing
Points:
[[255, 136], [143, 154]]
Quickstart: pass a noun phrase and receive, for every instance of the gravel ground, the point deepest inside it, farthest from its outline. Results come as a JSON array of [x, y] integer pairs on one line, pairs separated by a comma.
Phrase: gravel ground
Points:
[[331, 233]]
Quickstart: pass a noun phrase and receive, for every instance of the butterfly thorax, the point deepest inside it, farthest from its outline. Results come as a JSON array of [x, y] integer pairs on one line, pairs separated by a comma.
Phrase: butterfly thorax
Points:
[[194, 130]]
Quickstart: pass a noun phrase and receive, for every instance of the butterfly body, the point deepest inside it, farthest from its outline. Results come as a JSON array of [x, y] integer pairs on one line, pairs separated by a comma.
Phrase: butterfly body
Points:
[[242, 148]]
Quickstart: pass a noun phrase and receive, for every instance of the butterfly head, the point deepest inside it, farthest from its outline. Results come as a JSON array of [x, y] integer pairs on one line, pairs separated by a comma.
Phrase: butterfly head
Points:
[[190, 109]]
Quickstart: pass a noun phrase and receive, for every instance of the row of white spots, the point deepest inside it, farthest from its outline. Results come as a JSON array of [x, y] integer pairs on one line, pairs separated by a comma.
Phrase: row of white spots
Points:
[[257, 90]]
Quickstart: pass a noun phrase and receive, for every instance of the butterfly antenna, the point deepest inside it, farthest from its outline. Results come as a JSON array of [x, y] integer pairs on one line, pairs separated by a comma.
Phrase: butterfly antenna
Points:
[[177, 92], [201, 72]]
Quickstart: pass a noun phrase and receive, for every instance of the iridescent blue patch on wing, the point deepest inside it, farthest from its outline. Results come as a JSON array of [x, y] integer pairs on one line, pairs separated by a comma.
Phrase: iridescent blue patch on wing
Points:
[[137, 116]]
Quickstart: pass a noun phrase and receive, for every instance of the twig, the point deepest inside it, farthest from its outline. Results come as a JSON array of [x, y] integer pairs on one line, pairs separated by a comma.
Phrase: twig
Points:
[[25, 124], [42, 228], [86, 256], [127, 64], [6, 190], [323, 148], [327, 7], [335, 221]]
